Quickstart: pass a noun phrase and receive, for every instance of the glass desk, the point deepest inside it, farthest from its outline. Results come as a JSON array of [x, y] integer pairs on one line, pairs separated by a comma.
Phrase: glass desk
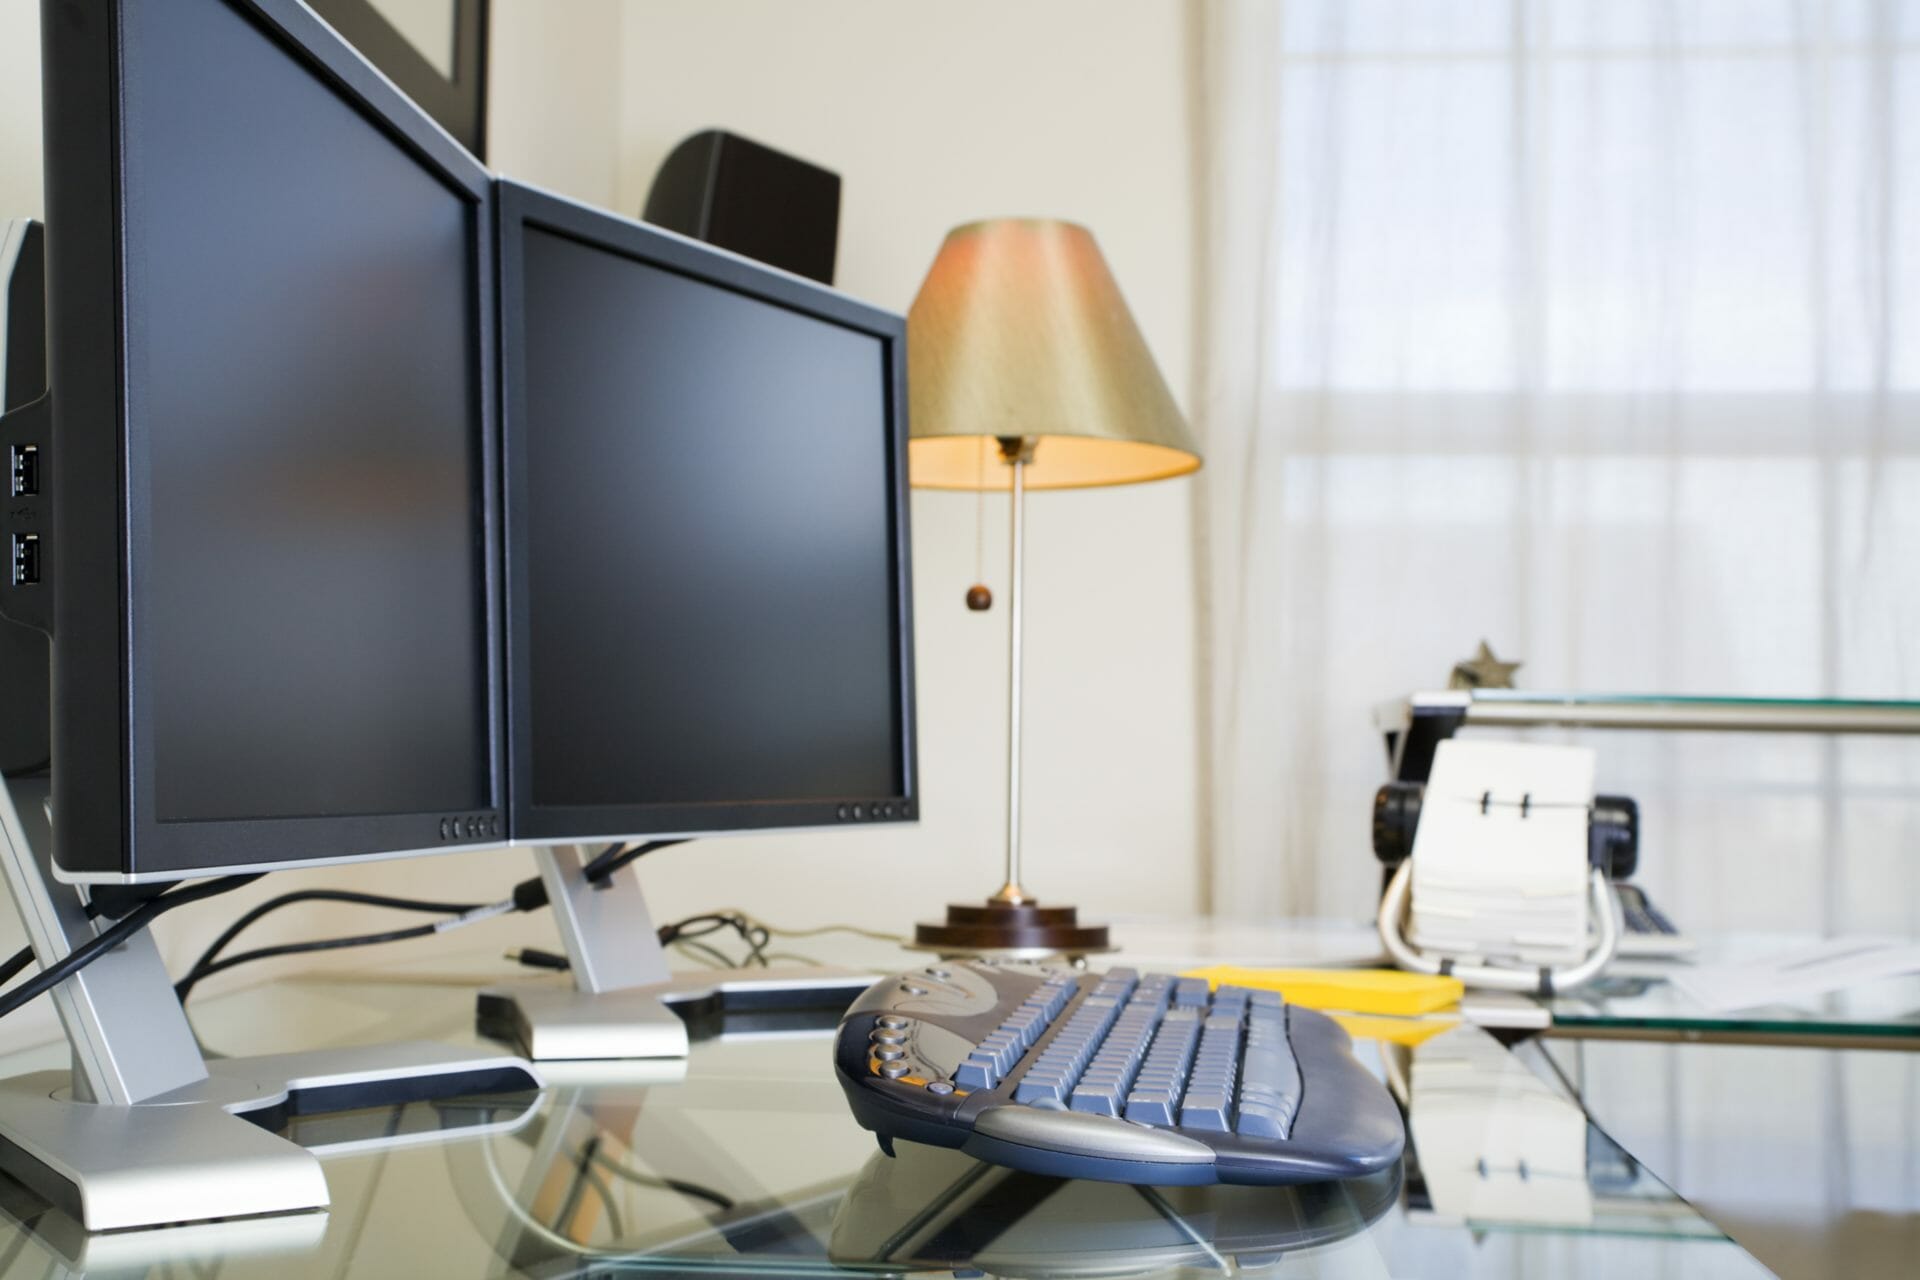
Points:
[[1635, 1002], [744, 1161]]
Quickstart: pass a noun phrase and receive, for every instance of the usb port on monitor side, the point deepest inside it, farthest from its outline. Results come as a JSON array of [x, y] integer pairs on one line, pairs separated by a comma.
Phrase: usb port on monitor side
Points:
[[26, 559], [24, 469]]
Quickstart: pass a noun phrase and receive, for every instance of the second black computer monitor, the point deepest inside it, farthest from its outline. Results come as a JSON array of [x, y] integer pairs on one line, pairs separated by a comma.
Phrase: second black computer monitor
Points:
[[706, 510]]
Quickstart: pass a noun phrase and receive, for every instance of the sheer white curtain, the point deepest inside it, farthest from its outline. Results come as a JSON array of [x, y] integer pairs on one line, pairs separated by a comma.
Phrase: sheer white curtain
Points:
[[1590, 327]]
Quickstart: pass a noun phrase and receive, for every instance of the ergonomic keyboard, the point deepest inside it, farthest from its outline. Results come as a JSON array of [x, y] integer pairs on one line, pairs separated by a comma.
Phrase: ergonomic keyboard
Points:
[[1119, 1077]]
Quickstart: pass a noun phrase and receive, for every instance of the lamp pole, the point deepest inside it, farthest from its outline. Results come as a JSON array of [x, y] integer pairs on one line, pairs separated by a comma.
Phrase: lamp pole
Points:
[[1017, 453]]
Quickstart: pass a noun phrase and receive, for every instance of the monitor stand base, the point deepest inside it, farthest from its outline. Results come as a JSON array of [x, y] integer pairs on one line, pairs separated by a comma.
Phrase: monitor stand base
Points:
[[623, 1001], [208, 1150], [144, 1131], [548, 1021]]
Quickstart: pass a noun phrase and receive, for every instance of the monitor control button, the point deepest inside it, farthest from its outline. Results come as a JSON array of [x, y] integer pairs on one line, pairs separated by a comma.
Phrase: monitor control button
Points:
[[859, 811], [841, 813]]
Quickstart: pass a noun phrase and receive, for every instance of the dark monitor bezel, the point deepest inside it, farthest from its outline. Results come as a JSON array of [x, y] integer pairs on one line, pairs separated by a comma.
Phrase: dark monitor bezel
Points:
[[106, 826], [519, 207]]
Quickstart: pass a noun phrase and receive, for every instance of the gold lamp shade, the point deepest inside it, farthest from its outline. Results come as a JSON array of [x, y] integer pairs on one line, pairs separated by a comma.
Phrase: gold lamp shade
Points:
[[1020, 331]]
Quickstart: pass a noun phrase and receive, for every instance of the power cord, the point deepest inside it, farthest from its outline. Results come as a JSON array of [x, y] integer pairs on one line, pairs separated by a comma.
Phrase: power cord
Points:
[[206, 967], [683, 933], [614, 857], [717, 1199], [528, 895], [109, 938], [15, 963], [775, 930]]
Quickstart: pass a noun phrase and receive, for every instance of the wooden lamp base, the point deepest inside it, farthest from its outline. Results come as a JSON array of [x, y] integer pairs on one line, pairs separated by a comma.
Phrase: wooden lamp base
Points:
[[1021, 928]]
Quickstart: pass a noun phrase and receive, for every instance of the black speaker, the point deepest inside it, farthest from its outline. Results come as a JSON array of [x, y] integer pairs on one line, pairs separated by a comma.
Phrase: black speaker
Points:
[[731, 191]]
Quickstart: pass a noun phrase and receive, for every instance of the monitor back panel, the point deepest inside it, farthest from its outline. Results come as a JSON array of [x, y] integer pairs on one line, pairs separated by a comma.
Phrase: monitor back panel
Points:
[[276, 619]]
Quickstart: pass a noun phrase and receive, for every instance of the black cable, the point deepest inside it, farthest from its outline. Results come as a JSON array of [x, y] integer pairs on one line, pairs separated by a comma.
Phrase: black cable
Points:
[[753, 935], [185, 986], [687, 931], [528, 895], [694, 1189], [203, 966], [616, 856], [24, 956], [719, 958], [616, 1227], [15, 963], [98, 945]]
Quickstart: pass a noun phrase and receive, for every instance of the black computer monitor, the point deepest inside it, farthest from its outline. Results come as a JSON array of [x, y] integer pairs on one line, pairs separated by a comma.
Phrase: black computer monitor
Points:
[[271, 467], [708, 596]]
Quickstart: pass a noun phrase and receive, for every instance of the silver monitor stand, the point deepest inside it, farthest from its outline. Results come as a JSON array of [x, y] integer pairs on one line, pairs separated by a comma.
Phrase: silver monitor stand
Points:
[[144, 1130], [623, 1001]]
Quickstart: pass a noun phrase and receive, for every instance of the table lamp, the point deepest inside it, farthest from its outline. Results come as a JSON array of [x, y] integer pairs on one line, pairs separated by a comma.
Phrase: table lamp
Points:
[[1020, 342]]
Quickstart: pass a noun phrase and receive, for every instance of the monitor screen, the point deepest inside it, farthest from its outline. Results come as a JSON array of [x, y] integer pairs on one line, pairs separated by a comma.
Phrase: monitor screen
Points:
[[305, 319], [710, 525], [303, 316]]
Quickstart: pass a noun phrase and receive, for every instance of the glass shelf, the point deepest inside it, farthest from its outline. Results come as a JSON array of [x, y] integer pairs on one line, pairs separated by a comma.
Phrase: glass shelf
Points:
[[1635, 1001]]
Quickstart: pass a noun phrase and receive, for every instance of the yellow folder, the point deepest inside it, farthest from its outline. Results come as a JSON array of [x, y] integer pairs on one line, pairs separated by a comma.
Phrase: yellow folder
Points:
[[1349, 990]]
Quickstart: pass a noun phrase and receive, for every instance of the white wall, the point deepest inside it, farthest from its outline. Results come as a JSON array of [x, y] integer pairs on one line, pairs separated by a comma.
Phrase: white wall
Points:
[[20, 109], [933, 115]]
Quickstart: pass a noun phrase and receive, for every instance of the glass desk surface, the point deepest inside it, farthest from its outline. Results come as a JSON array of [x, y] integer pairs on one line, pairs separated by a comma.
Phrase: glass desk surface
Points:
[[1634, 1001], [744, 1161]]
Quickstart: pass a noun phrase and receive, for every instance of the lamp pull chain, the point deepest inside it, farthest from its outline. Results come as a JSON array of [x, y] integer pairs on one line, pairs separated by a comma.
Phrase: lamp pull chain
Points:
[[979, 598]]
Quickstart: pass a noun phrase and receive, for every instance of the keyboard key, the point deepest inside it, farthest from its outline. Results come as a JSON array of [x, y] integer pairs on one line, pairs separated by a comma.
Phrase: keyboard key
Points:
[[1191, 992], [976, 1073], [1205, 1110], [1261, 1120], [1031, 1090], [1101, 1099], [1269, 1079], [1150, 1108]]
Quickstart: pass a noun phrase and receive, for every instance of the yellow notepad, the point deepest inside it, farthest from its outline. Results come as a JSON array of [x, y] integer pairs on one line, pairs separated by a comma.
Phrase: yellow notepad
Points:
[[1349, 990]]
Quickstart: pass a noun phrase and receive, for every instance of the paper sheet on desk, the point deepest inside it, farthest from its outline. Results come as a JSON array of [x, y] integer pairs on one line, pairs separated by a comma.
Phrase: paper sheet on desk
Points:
[[1832, 965]]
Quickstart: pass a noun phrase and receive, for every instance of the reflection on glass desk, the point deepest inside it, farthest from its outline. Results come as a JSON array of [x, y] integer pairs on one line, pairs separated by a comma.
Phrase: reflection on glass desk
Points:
[[744, 1160], [1634, 1001]]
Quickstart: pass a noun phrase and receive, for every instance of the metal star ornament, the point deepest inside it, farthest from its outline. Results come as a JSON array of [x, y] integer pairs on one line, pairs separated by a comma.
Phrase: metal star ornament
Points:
[[1483, 671]]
